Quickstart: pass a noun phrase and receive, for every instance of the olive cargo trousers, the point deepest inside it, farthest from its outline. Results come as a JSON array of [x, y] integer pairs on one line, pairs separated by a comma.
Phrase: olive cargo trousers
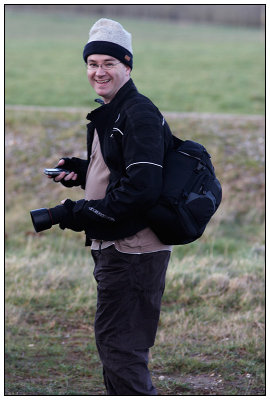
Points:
[[129, 292]]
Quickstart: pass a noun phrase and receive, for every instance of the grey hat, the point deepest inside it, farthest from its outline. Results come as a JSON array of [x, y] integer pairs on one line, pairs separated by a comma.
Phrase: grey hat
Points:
[[109, 37]]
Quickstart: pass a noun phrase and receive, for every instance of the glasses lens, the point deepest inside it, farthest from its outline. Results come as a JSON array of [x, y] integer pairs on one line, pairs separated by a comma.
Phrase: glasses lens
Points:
[[105, 66]]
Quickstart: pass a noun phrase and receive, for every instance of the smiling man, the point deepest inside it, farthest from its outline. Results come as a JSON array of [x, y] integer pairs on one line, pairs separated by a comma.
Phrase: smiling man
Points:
[[104, 77], [127, 139]]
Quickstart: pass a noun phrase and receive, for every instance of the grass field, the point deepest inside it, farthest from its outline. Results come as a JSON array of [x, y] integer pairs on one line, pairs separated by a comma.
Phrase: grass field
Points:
[[181, 67], [211, 334]]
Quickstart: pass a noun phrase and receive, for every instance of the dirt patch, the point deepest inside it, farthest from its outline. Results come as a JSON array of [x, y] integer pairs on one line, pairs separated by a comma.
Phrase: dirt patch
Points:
[[204, 383], [167, 114]]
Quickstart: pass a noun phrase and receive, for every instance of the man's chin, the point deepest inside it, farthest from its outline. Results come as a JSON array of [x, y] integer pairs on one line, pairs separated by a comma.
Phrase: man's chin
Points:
[[101, 92]]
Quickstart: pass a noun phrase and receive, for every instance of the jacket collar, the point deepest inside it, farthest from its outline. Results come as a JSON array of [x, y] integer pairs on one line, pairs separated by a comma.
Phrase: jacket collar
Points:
[[106, 112]]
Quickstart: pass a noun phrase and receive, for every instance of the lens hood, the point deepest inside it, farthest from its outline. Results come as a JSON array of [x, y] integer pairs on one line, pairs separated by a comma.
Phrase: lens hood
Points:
[[41, 219]]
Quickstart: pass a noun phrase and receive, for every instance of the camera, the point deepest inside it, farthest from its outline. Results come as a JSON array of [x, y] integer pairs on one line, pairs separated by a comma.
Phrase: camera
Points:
[[45, 218]]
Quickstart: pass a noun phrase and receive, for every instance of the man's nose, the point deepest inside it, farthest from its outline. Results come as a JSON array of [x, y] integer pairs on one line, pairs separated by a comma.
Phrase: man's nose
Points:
[[100, 70]]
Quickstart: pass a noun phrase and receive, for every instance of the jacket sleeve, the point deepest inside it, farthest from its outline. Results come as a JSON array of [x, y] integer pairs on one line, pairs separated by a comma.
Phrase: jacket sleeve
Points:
[[141, 184]]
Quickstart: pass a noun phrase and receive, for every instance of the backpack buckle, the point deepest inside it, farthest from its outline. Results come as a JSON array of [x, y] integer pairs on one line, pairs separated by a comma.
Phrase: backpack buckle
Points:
[[184, 195], [200, 167]]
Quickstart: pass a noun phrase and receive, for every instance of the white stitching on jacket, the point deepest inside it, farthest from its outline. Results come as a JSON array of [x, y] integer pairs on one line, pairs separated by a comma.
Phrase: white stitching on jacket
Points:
[[118, 130], [144, 162], [100, 214], [117, 118]]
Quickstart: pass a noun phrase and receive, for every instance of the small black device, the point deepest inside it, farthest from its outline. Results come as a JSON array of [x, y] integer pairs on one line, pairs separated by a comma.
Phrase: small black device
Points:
[[55, 171]]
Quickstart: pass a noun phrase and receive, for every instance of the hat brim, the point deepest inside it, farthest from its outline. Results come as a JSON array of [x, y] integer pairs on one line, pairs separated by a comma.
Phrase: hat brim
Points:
[[109, 48]]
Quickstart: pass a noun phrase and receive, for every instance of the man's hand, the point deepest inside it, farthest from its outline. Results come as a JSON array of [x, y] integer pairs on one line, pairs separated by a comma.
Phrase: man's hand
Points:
[[69, 221], [72, 176]]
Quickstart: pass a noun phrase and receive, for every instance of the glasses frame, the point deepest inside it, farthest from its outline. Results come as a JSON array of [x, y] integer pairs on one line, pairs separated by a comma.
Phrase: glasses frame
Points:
[[102, 66]]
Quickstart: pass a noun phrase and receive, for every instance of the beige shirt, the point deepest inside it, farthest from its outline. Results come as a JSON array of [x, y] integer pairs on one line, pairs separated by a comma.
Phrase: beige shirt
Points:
[[97, 179]]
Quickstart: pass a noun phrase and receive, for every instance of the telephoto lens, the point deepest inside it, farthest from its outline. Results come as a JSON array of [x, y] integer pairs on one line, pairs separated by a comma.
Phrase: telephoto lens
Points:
[[44, 218]]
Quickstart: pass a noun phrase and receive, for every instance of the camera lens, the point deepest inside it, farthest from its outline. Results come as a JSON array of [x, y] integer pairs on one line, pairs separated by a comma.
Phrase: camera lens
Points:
[[44, 218], [41, 219]]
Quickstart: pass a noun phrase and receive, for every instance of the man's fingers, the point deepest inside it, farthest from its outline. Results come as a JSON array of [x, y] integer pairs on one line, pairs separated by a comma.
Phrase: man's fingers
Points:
[[60, 176], [60, 162], [69, 176]]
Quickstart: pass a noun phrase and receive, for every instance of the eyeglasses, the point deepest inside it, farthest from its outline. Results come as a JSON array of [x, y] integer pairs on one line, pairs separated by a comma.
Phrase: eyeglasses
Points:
[[106, 66]]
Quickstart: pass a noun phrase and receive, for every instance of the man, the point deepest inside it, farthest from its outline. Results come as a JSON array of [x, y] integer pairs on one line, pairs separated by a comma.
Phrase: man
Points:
[[127, 139]]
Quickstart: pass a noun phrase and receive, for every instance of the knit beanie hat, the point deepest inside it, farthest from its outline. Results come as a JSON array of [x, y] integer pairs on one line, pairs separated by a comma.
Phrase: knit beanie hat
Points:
[[109, 37]]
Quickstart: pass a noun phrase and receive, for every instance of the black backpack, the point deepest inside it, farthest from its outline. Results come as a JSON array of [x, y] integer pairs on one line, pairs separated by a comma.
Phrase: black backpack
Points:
[[190, 196]]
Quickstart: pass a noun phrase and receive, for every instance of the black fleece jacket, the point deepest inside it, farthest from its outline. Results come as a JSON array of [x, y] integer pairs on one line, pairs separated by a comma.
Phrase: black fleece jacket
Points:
[[134, 137]]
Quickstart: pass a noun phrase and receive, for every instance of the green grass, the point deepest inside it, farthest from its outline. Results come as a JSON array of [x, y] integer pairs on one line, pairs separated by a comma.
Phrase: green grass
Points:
[[211, 333], [181, 67]]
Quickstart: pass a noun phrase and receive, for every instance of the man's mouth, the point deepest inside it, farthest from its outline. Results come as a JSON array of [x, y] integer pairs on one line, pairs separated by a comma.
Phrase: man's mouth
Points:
[[102, 81]]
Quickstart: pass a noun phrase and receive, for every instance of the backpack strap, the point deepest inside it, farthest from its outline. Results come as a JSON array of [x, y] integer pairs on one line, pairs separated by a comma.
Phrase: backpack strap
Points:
[[177, 142]]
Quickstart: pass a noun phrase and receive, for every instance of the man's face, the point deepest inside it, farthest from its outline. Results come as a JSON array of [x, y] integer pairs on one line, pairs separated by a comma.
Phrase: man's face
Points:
[[107, 83]]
